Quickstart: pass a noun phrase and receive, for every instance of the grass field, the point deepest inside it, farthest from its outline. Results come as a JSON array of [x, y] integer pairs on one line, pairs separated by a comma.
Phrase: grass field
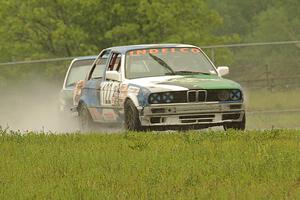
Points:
[[286, 100], [279, 99], [189, 165], [257, 121]]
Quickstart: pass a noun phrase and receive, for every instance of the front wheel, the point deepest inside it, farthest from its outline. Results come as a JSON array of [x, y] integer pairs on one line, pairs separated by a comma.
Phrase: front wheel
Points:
[[132, 121], [236, 125]]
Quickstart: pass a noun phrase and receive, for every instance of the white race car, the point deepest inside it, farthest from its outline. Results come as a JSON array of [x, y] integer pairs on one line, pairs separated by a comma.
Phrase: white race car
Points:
[[162, 86]]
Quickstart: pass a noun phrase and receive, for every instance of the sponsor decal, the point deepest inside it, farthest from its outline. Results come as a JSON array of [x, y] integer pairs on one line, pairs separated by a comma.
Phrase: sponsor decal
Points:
[[109, 93], [123, 93], [109, 115], [96, 114], [163, 51], [77, 92]]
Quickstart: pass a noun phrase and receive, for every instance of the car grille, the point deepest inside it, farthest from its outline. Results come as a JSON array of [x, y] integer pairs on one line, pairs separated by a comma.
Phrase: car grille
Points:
[[195, 96]]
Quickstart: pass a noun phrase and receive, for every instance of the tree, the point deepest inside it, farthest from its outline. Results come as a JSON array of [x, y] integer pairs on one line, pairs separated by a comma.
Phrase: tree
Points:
[[36, 29], [165, 21]]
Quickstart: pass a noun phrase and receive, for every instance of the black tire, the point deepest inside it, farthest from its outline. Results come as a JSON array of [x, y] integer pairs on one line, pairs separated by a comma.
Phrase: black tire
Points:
[[85, 120], [236, 125], [132, 121]]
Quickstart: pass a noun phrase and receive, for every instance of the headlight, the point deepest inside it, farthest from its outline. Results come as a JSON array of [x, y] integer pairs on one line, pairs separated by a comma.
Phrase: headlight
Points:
[[155, 99], [235, 95], [165, 97]]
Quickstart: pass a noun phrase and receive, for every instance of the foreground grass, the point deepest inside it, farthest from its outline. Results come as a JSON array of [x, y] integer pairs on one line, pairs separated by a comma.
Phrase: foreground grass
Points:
[[192, 165]]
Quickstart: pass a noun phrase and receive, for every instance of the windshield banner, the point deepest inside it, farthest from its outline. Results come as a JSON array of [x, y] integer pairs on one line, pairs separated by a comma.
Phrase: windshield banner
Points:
[[141, 52]]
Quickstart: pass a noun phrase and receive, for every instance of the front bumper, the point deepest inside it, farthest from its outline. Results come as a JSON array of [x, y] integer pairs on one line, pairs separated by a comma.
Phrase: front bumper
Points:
[[191, 114]]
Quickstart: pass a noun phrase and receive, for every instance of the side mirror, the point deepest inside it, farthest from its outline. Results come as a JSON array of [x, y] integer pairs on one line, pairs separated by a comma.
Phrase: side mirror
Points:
[[113, 75], [223, 70]]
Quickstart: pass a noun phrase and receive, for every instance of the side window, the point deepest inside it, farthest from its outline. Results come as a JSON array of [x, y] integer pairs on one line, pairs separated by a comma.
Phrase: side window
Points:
[[115, 62], [78, 71], [99, 69]]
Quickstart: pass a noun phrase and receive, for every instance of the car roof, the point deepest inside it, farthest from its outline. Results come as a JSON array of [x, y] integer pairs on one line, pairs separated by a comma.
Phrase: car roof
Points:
[[124, 49], [85, 58]]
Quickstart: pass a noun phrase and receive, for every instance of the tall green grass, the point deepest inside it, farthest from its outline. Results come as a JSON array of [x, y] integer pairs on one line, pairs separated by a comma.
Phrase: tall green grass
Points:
[[165, 165]]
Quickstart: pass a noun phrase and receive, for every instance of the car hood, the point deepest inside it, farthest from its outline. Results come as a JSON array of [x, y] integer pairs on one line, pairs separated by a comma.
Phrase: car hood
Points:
[[185, 82]]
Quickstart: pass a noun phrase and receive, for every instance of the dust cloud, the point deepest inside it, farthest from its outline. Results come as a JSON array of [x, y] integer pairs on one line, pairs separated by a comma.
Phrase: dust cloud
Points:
[[34, 106]]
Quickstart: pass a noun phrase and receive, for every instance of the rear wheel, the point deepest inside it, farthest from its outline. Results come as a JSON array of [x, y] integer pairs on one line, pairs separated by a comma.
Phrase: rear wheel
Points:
[[132, 121], [236, 125], [85, 119]]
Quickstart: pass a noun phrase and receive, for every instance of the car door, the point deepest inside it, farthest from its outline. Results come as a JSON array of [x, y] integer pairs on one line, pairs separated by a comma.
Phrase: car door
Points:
[[93, 86], [77, 71], [109, 93]]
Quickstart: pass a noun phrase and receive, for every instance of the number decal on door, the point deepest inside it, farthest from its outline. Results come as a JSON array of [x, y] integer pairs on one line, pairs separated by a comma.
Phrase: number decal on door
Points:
[[109, 93]]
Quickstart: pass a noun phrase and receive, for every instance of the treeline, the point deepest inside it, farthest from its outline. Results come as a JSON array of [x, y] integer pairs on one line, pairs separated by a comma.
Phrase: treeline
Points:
[[34, 29], [52, 28], [38, 29]]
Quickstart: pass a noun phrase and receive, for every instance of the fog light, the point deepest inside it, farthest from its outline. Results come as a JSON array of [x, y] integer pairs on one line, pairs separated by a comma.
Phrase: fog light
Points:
[[155, 120]]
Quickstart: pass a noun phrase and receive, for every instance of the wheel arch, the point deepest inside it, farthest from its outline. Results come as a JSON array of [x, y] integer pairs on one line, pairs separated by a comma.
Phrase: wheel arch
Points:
[[134, 124], [131, 98], [80, 104]]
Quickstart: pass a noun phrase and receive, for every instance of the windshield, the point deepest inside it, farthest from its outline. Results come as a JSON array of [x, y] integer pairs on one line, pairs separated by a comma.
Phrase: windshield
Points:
[[78, 71], [166, 61]]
